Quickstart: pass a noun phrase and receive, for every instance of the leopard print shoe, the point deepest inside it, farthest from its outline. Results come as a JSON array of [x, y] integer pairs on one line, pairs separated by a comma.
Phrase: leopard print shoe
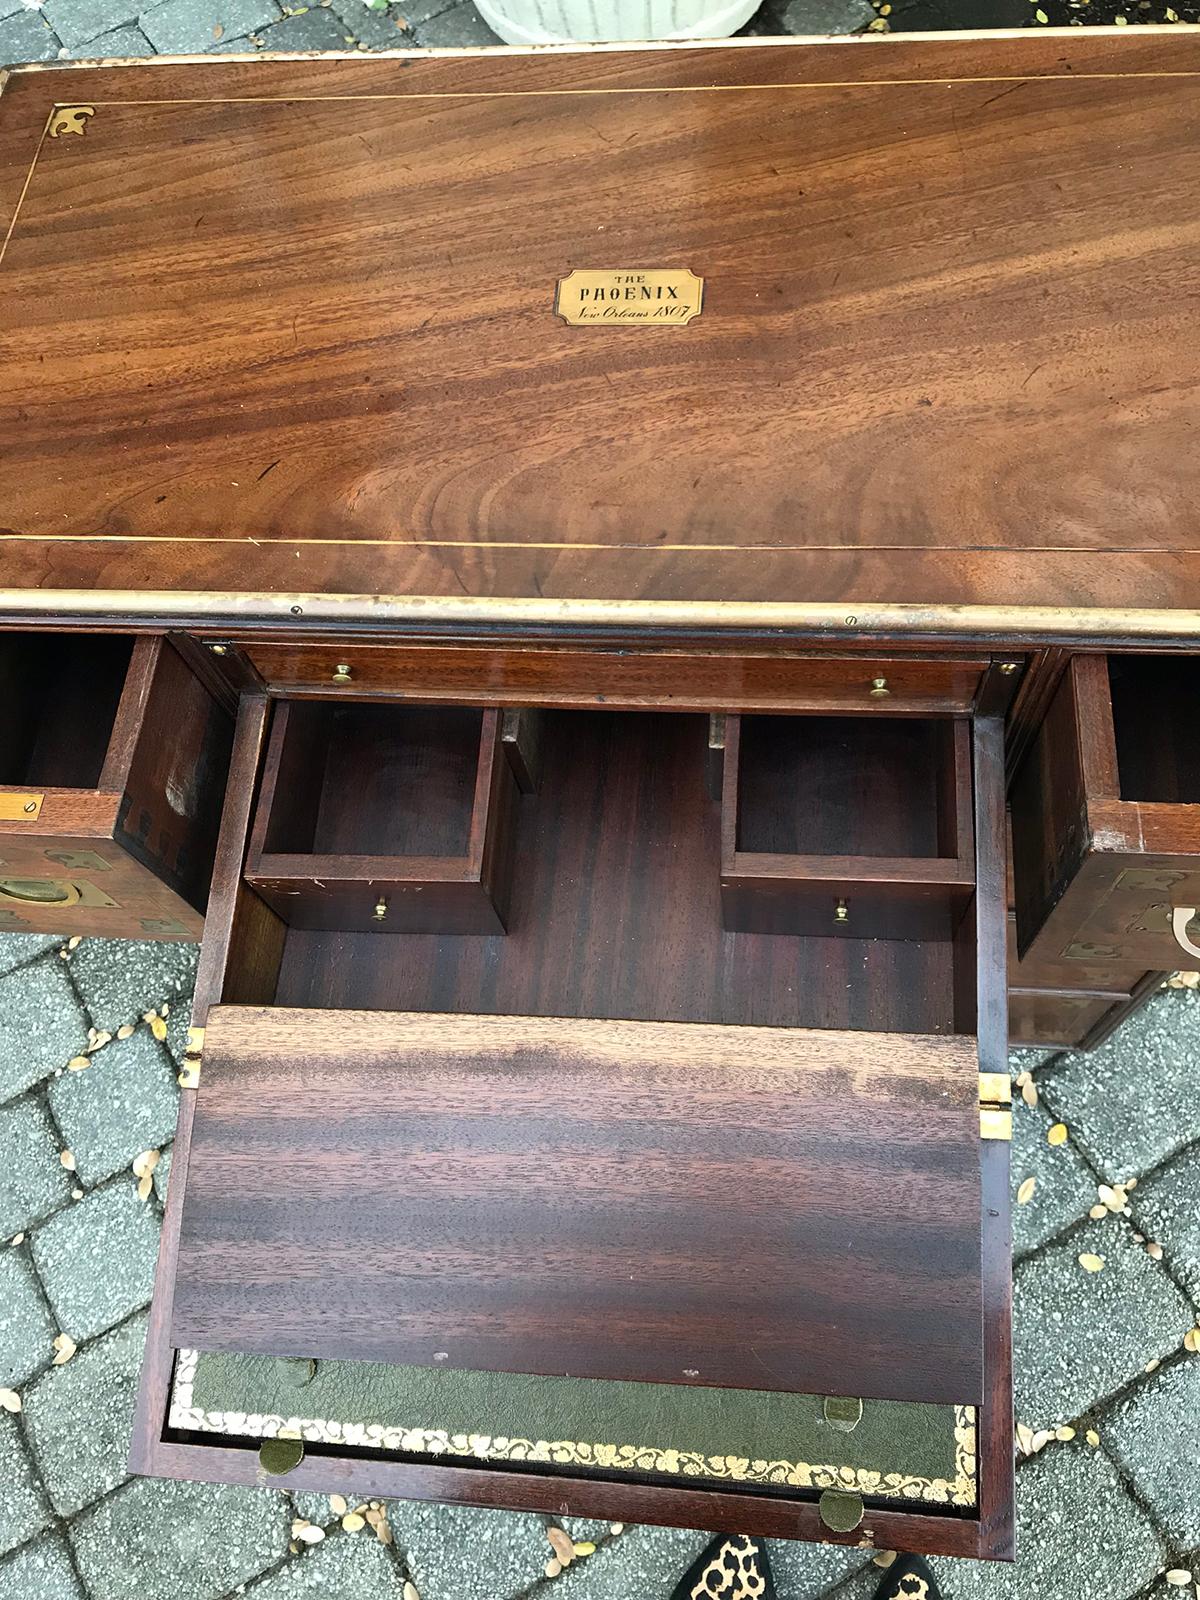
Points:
[[908, 1578], [732, 1567]]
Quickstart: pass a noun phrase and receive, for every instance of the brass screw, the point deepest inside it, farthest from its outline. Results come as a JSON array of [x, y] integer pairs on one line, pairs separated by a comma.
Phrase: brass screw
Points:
[[30, 805], [842, 913], [879, 688], [342, 673], [380, 909], [1007, 667]]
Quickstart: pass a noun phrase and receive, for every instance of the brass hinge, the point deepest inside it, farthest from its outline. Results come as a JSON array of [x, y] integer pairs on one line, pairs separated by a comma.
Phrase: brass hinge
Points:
[[995, 1105], [189, 1076], [20, 806]]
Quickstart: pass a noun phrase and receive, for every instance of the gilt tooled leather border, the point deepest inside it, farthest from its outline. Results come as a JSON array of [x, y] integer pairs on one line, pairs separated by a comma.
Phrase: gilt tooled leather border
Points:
[[647, 1458]]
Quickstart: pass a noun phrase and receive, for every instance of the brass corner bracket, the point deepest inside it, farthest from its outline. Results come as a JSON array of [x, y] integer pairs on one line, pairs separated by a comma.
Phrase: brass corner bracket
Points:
[[995, 1105], [189, 1075], [69, 119]]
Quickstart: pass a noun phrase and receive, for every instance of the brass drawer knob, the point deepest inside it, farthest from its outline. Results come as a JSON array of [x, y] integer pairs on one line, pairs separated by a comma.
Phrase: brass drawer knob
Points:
[[380, 908], [879, 688], [841, 914], [342, 673]]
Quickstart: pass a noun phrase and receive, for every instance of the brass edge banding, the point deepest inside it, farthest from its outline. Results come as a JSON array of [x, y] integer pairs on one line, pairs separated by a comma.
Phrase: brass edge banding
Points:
[[853, 619]]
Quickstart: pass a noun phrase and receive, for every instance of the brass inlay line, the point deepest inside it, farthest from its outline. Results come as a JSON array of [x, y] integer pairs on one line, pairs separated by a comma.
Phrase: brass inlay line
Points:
[[680, 88], [420, 541], [25, 186]]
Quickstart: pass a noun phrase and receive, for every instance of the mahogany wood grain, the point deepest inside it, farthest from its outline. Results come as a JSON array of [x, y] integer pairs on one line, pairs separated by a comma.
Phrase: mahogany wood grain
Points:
[[564, 1196], [1106, 818], [867, 820], [402, 810], [639, 677], [615, 912], [909, 347]]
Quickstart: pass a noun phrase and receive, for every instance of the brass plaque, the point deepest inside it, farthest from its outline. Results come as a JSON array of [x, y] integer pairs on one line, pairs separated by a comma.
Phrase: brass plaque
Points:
[[16, 807], [662, 296]]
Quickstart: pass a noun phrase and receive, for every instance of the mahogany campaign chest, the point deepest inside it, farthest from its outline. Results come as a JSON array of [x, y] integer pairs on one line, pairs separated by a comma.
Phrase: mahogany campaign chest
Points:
[[643, 605]]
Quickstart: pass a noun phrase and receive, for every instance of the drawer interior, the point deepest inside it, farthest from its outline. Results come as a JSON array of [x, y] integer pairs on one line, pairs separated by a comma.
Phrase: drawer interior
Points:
[[846, 786], [1154, 702], [59, 695], [367, 780], [615, 903]]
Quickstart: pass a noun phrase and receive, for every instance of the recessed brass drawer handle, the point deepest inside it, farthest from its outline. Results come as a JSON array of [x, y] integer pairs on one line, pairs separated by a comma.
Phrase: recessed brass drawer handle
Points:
[[342, 673], [1180, 917], [40, 891], [879, 689]]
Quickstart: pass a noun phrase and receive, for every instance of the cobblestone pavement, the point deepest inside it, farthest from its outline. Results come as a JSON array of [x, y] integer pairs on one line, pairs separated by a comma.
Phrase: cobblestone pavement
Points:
[[1104, 1515]]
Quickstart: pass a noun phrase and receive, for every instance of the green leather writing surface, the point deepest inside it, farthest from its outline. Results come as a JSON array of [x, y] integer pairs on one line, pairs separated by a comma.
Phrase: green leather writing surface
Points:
[[897, 1449]]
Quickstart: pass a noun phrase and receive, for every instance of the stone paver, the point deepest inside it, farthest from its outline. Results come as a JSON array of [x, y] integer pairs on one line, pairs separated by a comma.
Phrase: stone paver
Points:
[[1063, 1190], [804, 1571], [643, 1561], [460, 26], [41, 1025], [824, 16], [1167, 1209], [179, 26], [123, 1103], [25, 37], [32, 1182], [1154, 1434], [315, 1508], [314, 29], [76, 22], [1079, 1336], [18, 949], [1128, 1121], [469, 1555], [41, 1570], [26, 1328], [188, 1541], [120, 979], [78, 1416], [344, 1567], [382, 30], [23, 1508], [1079, 1533], [121, 42], [97, 1259]]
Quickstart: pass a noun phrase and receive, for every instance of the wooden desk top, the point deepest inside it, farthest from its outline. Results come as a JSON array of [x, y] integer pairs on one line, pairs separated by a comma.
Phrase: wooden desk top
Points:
[[279, 332]]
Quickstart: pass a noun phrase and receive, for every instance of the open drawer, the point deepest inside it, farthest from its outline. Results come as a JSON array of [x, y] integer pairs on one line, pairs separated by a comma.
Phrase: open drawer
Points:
[[113, 758], [1106, 818], [683, 1224]]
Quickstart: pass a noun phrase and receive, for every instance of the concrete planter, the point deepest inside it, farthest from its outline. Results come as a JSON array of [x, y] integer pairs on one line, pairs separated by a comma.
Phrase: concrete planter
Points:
[[586, 21]]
